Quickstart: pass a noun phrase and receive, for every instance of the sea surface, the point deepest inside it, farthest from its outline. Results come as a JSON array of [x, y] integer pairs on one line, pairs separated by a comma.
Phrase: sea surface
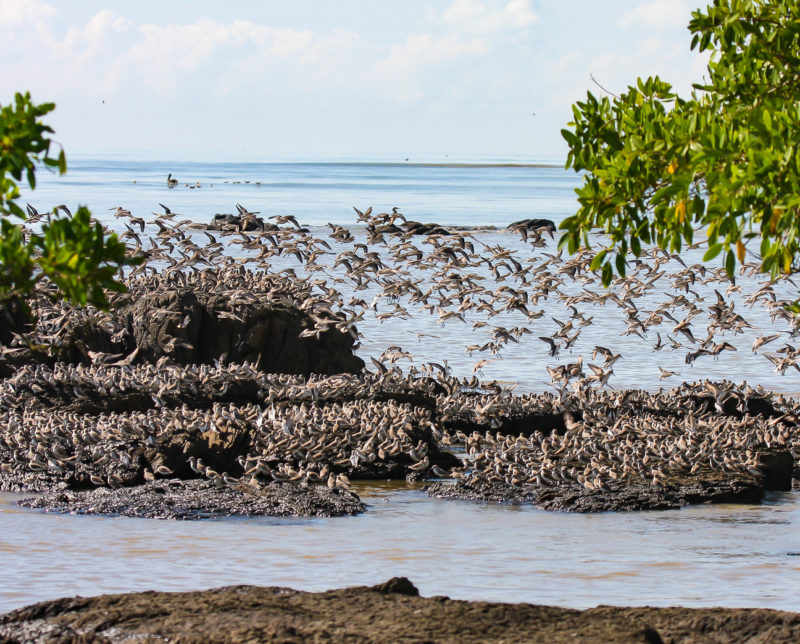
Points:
[[723, 555], [455, 190]]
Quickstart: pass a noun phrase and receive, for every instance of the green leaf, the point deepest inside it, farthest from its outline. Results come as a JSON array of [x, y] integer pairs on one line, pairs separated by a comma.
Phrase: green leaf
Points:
[[597, 260], [730, 264], [712, 252], [607, 274], [620, 262]]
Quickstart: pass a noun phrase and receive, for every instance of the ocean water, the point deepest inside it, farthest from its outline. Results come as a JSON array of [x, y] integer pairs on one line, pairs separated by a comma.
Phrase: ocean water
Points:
[[468, 191], [700, 556]]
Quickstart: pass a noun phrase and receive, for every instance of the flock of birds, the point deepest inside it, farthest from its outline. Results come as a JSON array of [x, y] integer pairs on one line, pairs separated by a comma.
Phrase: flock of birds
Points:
[[384, 270], [412, 419], [327, 430], [312, 431]]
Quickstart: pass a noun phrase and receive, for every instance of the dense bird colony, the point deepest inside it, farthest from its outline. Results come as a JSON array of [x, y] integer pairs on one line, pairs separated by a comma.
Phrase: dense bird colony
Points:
[[117, 419]]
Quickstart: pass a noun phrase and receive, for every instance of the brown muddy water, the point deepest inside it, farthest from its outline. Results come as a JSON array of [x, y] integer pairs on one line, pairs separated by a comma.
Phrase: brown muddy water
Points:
[[721, 555]]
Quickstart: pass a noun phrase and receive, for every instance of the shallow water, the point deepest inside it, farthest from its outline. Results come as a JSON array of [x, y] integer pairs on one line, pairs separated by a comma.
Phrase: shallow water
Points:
[[721, 555]]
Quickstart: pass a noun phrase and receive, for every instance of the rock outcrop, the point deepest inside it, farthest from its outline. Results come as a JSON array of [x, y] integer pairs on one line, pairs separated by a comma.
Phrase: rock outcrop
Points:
[[179, 499], [547, 225], [392, 611], [228, 316]]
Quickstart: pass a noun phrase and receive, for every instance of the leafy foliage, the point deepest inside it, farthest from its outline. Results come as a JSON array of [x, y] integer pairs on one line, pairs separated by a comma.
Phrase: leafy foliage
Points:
[[659, 168], [71, 252]]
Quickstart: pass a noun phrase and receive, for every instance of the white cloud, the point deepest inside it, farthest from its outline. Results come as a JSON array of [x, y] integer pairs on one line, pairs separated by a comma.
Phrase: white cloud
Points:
[[154, 77], [17, 13], [463, 38], [489, 16], [403, 71], [659, 13], [426, 50], [96, 36]]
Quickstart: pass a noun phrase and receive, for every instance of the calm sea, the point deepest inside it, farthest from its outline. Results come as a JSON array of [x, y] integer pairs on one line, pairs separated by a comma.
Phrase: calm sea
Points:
[[470, 191]]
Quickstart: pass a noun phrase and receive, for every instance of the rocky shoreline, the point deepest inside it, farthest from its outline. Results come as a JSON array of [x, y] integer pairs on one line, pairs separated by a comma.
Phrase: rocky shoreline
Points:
[[390, 611], [114, 438]]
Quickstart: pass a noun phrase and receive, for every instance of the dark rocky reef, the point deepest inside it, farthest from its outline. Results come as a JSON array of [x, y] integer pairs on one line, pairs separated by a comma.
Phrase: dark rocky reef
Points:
[[624, 450], [247, 223], [201, 499], [391, 611], [77, 427], [628, 496], [72, 429], [548, 225], [227, 315]]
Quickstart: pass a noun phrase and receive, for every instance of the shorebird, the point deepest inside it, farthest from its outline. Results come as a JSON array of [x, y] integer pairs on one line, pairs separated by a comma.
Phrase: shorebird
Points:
[[665, 373], [764, 339]]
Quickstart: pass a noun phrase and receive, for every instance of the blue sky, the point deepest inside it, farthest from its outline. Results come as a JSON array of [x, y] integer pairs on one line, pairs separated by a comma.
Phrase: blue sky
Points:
[[354, 78]]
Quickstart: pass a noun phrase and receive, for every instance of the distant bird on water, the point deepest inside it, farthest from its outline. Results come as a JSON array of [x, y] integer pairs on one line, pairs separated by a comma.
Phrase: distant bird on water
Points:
[[171, 183]]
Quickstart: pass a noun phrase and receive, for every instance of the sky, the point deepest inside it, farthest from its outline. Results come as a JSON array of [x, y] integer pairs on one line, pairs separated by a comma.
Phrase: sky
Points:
[[269, 79]]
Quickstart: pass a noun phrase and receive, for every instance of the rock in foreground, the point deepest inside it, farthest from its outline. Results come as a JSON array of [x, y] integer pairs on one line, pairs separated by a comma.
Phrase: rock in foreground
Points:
[[370, 614]]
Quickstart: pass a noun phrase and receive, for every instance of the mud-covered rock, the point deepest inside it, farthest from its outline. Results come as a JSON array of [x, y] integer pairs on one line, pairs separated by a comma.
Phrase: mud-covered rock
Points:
[[195, 499], [228, 316], [628, 496], [391, 611]]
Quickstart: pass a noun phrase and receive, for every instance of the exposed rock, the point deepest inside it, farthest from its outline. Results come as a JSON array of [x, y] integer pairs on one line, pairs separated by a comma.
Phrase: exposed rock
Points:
[[533, 224], [203, 329], [269, 427], [225, 315], [196, 499], [709, 487], [777, 467], [601, 451], [391, 611], [250, 223], [418, 228]]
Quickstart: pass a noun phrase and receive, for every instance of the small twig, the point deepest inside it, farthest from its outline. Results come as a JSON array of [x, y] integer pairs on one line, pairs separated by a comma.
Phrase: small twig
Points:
[[594, 80]]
